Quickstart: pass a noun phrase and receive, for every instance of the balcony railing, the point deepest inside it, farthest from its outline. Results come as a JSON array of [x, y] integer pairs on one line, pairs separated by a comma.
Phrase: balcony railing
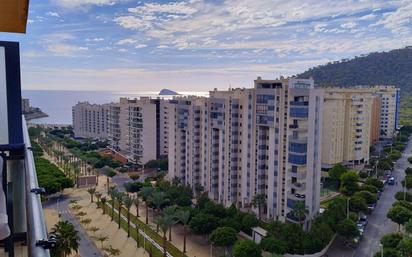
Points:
[[24, 208]]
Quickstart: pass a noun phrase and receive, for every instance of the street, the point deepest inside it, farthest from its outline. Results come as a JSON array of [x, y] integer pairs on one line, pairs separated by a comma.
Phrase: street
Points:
[[86, 246], [378, 223]]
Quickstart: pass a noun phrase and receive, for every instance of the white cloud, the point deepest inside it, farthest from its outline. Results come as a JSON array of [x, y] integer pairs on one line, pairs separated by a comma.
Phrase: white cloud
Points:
[[126, 41], [140, 46], [83, 3], [204, 24], [399, 21], [349, 25], [59, 44], [53, 14], [96, 39], [367, 17]]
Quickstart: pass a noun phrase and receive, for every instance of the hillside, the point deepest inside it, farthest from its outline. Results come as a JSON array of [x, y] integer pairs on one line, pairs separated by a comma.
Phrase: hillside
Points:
[[385, 68], [389, 68]]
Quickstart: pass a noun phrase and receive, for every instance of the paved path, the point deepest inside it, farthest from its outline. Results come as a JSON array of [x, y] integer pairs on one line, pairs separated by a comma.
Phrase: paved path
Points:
[[378, 223], [87, 248]]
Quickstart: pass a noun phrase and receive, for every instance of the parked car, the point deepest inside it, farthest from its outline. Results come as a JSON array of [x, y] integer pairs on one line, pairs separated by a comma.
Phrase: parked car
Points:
[[363, 220], [391, 181], [371, 207]]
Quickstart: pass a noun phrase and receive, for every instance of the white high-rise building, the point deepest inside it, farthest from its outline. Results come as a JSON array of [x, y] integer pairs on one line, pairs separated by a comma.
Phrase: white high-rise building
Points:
[[241, 143], [91, 120]]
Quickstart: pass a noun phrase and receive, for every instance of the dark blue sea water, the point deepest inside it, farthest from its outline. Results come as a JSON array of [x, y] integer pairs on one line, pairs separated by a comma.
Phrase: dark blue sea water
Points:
[[58, 104]]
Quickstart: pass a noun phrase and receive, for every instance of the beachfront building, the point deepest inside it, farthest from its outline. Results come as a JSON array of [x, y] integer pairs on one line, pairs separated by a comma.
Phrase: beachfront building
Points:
[[240, 143], [91, 120], [138, 128]]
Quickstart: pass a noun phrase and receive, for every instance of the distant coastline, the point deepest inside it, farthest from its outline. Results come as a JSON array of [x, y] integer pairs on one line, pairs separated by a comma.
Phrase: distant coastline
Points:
[[36, 114]]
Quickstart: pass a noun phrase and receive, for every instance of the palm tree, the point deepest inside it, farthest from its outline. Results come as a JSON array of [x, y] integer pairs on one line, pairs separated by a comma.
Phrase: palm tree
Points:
[[259, 201], [91, 191], [128, 202], [93, 229], [112, 193], [113, 251], [86, 222], [300, 210], [158, 199], [67, 238], [136, 202], [146, 193], [103, 200], [98, 196], [184, 217], [102, 239], [119, 197], [171, 211], [164, 222]]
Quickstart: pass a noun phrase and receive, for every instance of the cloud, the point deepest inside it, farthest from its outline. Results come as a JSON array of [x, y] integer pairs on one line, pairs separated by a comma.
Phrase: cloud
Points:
[[205, 24], [348, 25], [53, 14], [59, 44], [126, 41], [96, 39], [86, 3], [140, 46], [399, 21]]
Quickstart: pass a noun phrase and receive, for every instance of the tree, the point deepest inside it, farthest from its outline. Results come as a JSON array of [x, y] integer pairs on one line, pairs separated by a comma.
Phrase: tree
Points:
[[91, 191], [246, 248], [203, 223], [86, 222], [223, 236], [67, 239], [184, 217], [113, 251], [357, 204], [249, 221], [119, 197], [128, 202], [146, 193], [349, 183], [103, 201], [102, 239], [158, 199], [136, 202], [112, 193], [408, 226], [259, 201], [399, 215], [300, 211], [98, 196], [164, 222], [405, 246], [368, 196], [336, 172], [374, 182], [273, 245], [391, 240], [171, 212], [294, 236], [94, 229], [347, 229]]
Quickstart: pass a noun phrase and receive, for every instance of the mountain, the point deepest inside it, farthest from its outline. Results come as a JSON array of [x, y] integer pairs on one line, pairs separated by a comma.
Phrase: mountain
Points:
[[388, 68], [167, 92]]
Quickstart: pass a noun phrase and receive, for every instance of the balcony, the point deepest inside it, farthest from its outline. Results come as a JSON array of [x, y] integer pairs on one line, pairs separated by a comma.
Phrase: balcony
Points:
[[24, 217], [299, 112], [297, 159]]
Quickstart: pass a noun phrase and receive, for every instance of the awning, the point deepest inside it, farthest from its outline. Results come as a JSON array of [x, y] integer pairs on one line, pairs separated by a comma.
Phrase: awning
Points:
[[13, 15]]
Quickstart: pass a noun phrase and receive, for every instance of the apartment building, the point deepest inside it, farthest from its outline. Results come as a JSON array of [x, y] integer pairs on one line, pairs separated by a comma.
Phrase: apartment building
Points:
[[354, 119], [133, 129], [91, 120], [390, 104], [240, 143]]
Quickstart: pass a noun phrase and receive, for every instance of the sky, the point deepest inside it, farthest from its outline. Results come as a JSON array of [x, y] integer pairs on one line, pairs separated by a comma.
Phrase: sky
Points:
[[198, 45]]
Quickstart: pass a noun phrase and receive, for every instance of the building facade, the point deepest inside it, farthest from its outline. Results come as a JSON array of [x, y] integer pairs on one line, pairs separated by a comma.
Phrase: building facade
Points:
[[91, 120], [354, 119], [241, 143]]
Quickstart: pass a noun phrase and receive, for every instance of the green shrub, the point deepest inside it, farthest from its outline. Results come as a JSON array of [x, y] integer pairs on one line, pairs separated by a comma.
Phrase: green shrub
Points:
[[363, 174]]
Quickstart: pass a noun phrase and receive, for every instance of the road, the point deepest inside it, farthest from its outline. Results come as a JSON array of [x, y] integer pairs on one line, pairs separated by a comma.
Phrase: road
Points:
[[378, 223], [86, 247]]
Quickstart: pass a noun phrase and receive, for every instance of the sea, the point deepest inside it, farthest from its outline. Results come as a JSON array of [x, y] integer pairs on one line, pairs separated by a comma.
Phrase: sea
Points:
[[58, 103]]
